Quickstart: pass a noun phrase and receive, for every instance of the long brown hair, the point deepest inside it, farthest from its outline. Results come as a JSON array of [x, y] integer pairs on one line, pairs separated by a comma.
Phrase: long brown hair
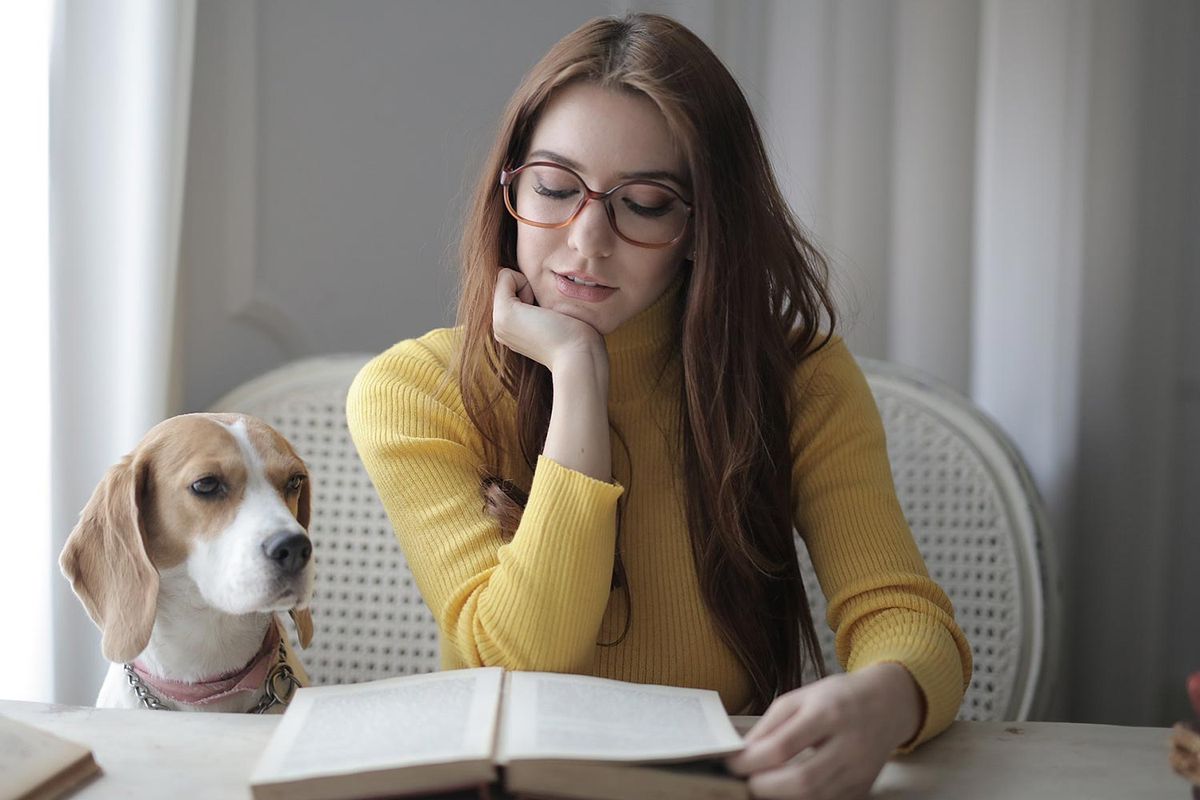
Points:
[[754, 303]]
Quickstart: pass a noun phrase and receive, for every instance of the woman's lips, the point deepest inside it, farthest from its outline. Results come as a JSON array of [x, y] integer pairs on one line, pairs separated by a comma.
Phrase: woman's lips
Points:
[[577, 291]]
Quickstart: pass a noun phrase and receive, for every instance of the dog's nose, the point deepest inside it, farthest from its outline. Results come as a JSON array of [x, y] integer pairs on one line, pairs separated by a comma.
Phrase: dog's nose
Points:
[[288, 549]]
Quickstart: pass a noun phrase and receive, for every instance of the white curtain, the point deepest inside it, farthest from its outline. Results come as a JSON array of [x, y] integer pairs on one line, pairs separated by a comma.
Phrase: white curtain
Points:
[[1010, 190], [120, 85], [25, 326]]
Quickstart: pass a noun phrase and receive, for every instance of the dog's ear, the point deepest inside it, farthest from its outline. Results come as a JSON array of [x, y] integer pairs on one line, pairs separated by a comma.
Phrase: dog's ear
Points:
[[302, 619], [105, 559], [304, 504]]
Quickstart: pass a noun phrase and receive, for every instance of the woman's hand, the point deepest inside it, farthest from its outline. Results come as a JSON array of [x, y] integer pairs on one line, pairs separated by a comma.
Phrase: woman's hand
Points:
[[546, 336], [577, 436], [852, 723]]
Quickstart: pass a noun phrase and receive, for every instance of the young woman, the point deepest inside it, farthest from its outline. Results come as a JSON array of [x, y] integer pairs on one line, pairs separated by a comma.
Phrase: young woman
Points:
[[600, 469]]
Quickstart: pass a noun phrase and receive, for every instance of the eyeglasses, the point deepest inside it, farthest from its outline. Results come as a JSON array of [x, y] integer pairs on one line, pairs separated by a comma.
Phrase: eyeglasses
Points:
[[642, 212]]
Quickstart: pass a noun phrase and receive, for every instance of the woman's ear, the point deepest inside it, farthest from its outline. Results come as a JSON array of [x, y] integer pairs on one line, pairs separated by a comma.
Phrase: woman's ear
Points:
[[105, 559]]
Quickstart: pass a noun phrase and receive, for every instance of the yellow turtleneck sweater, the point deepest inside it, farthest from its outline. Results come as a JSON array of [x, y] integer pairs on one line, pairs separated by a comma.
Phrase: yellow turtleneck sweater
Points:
[[543, 601]]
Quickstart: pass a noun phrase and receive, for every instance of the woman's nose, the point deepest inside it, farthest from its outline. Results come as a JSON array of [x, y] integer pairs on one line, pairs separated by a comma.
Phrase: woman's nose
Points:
[[591, 234]]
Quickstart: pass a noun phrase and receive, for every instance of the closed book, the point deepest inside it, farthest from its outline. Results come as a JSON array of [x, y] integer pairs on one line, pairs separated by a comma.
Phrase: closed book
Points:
[[39, 765]]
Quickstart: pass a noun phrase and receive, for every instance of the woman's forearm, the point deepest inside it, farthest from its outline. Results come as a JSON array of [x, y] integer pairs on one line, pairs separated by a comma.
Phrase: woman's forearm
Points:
[[578, 436]]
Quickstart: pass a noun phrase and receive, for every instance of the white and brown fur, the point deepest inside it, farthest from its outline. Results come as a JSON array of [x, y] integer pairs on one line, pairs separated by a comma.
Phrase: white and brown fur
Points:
[[181, 580]]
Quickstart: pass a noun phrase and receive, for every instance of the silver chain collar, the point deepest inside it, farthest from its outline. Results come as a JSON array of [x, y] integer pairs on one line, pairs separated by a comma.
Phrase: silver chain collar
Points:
[[281, 683]]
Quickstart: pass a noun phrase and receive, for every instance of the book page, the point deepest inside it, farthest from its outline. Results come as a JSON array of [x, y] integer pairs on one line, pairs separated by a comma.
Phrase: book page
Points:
[[548, 715], [418, 719]]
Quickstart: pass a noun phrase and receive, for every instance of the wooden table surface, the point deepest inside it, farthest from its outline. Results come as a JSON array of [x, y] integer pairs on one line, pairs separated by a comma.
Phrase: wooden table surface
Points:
[[156, 754]]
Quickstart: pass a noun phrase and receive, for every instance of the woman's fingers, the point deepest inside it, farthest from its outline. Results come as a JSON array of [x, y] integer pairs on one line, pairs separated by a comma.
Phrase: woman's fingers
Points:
[[834, 771], [781, 709], [512, 292], [819, 777], [797, 732], [524, 290], [508, 282], [512, 284], [822, 742]]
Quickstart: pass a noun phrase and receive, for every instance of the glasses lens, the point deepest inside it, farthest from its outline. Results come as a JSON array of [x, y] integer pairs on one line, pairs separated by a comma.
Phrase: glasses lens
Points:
[[547, 195], [649, 213]]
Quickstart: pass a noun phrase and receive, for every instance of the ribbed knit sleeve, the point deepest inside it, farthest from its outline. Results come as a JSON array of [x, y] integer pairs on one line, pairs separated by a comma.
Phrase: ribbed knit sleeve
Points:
[[882, 604], [534, 603]]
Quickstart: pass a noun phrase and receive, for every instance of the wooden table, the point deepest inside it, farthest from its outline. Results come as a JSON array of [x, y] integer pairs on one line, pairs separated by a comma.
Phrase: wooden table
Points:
[[156, 754]]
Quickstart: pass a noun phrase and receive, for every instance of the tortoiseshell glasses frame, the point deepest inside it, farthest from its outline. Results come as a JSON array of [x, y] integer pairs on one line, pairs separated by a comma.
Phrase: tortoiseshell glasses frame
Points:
[[508, 182]]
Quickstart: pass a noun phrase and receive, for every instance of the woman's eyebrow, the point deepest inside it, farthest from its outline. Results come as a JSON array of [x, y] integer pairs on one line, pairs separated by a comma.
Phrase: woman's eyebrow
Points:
[[653, 175]]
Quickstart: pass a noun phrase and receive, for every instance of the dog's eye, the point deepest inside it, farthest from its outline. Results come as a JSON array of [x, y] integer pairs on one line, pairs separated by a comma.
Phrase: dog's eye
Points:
[[206, 486], [294, 483]]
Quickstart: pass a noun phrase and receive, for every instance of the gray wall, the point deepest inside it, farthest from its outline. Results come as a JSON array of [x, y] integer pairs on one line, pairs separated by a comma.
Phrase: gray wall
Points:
[[331, 146]]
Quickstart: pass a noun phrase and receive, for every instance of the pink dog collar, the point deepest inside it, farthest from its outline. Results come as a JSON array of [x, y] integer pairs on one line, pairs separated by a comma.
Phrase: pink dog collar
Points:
[[249, 678]]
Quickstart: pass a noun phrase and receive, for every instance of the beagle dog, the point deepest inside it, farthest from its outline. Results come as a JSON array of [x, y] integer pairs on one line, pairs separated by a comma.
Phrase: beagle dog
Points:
[[182, 557]]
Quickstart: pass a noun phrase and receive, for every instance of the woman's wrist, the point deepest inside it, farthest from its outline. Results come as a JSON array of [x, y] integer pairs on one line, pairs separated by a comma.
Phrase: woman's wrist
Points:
[[902, 700], [578, 435], [585, 362]]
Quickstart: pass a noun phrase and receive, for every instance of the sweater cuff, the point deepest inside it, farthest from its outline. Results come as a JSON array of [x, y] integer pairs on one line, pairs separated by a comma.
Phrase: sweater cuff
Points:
[[570, 522], [566, 496], [556, 576]]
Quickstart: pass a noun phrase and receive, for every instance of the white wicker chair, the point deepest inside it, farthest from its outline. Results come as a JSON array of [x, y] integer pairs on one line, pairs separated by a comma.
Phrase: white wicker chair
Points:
[[979, 523], [964, 489], [368, 617]]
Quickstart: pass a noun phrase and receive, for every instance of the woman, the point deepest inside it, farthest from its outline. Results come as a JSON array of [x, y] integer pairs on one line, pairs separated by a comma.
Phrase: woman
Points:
[[599, 470]]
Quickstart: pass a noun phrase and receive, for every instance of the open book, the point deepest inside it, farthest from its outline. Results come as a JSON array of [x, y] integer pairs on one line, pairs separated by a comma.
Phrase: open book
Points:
[[37, 765], [537, 733]]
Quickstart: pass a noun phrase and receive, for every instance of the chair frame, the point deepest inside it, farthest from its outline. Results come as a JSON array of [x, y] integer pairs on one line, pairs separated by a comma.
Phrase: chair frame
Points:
[[314, 371], [1039, 576]]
